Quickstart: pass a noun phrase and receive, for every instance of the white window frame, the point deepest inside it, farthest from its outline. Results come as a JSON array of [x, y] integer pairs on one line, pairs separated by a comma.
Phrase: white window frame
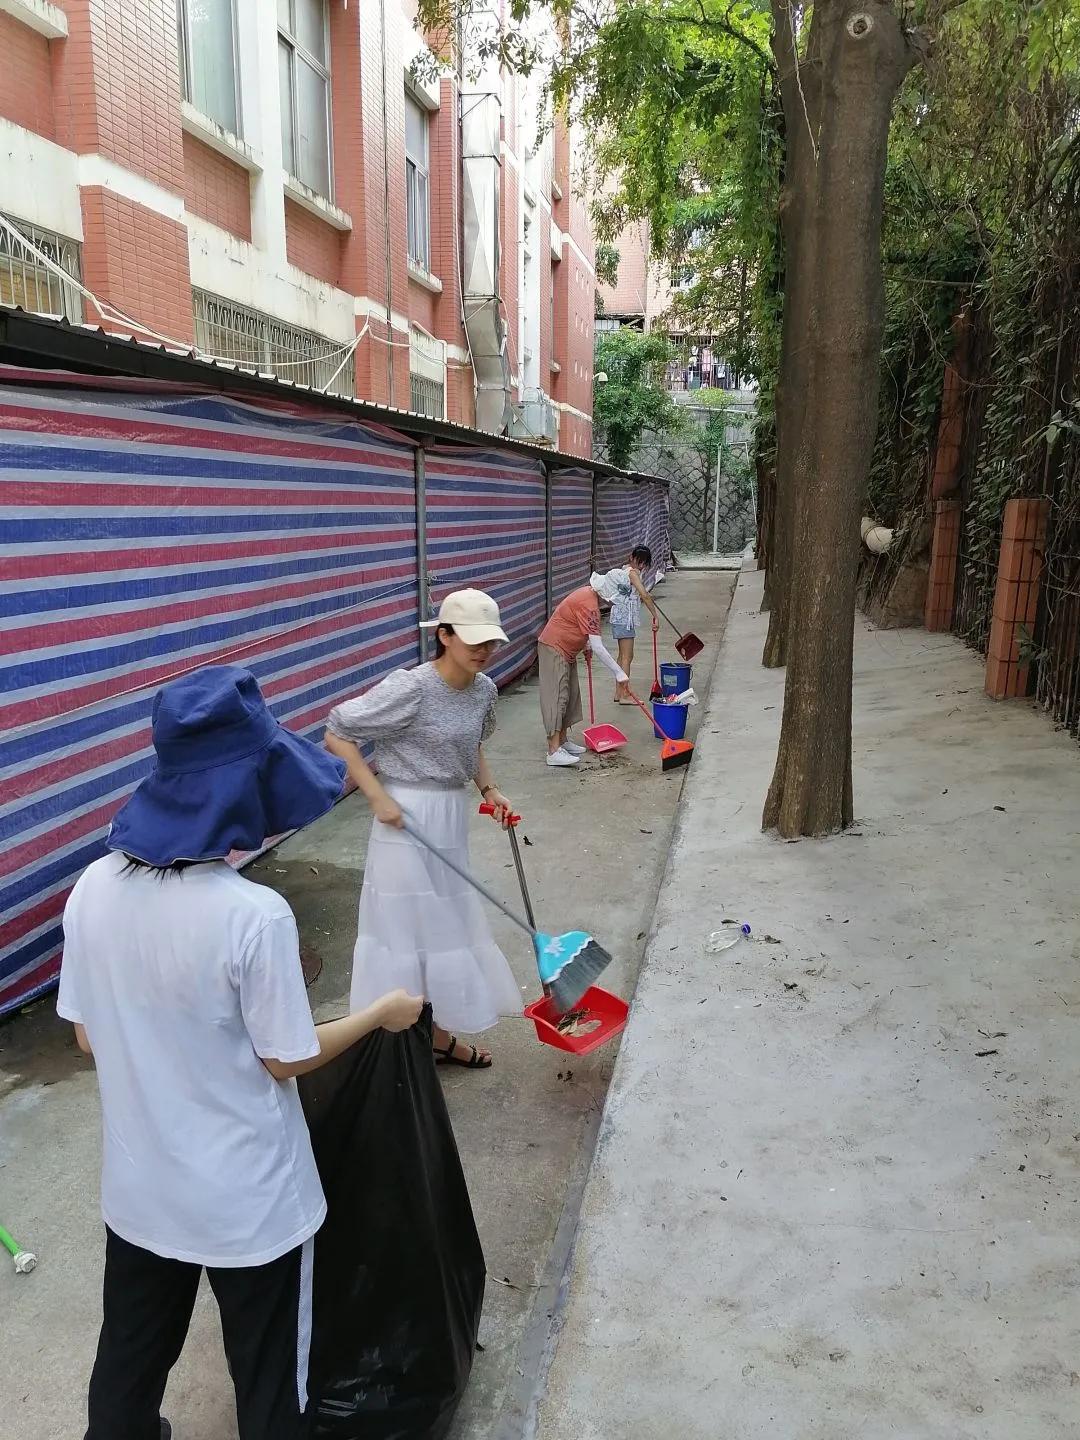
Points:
[[427, 374], [186, 73], [417, 168], [322, 67], [19, 263]]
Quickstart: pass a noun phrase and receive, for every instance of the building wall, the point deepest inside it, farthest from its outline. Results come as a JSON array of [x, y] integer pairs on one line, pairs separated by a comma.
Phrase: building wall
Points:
[[101, 147], [641, 293]]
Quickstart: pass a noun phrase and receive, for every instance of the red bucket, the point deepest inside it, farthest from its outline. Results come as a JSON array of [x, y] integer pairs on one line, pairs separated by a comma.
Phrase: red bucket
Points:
[[598, 1017]]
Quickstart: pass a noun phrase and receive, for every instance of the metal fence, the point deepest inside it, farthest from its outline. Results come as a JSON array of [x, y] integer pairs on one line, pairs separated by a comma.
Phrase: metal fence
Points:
[[1056, 644], [711, 496], [976, 580]]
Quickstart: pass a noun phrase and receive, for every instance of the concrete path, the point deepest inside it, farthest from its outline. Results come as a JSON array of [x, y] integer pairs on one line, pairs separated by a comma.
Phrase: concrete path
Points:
[[600, 839], [836, 1191]]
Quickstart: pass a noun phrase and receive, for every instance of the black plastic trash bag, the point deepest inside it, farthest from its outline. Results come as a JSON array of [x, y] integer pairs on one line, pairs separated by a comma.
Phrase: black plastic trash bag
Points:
[[399, 1272]]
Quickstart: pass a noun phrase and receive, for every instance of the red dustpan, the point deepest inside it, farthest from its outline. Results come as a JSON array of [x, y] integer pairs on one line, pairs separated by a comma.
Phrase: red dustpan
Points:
[[687, 645], [594, 1019], [599, 738]]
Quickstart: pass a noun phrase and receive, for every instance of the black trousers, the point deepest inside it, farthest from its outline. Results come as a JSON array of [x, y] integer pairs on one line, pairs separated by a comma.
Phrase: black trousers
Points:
[[148, 1301]]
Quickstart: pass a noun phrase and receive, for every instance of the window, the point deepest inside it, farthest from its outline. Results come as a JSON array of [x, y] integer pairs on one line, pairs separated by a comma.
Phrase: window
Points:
[[417, 194], [427, 374], [27, 282], [304, 78], [207, 34], [260, 342]]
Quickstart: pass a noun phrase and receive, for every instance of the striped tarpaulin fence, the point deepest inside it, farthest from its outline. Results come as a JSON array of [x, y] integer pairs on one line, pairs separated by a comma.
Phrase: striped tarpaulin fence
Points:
[[655, 524], [571, 530], [150, 530], [486, 528], [620, 520], [142, 539]]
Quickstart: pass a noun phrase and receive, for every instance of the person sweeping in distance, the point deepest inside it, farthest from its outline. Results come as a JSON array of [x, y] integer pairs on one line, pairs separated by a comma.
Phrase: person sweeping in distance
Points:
[[574, 626], [420, 925], [625, 614], [183, 981]]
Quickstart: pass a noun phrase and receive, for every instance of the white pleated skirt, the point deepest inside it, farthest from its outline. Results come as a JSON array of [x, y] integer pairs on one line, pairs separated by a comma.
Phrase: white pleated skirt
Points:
[[422, 928]]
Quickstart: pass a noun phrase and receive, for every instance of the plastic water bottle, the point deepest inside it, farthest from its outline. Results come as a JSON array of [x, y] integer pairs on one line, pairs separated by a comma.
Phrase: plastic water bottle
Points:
[[721, 940]]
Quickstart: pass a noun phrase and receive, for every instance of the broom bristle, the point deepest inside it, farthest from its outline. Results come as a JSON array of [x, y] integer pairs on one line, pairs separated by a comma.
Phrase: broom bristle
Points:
[[567, 988], [675, 753]]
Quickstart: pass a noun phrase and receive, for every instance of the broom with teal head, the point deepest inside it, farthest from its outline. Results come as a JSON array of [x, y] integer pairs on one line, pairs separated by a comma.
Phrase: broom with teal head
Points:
[[568, 963]]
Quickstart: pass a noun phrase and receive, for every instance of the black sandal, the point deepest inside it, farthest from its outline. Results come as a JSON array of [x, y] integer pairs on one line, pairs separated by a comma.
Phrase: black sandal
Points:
[[474, 1062]]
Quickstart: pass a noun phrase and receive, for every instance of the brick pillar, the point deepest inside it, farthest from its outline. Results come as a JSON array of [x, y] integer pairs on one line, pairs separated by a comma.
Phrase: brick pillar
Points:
[[1016, 598], [941, 583]]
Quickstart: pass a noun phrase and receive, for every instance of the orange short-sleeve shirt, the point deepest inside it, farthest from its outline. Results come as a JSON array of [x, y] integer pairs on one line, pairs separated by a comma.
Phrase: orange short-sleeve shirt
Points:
[[572, 622]]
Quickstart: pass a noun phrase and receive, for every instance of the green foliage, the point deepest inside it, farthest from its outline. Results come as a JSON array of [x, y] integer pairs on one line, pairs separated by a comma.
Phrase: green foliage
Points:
[[607, 264], [633, 399], [981, 199]]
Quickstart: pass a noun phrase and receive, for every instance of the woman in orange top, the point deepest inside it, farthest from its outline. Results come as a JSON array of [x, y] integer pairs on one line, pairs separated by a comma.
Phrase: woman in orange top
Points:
[[574, 625]]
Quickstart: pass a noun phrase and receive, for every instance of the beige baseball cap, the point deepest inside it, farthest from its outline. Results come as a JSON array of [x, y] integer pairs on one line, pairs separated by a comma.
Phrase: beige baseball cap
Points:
[[474, 616]]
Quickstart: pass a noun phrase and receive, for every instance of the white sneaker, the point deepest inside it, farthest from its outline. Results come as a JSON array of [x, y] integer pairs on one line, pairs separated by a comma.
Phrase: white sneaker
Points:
[[573, 748], [560, 757]]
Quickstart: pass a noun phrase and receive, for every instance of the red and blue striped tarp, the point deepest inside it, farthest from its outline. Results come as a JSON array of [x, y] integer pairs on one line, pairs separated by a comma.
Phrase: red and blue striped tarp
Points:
[[144, 537], [486, 529], [571, 530], [152, 529], [629, 513]]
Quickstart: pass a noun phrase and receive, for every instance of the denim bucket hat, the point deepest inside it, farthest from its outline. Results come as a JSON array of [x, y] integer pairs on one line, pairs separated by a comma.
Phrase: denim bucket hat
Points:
[[228, 775]]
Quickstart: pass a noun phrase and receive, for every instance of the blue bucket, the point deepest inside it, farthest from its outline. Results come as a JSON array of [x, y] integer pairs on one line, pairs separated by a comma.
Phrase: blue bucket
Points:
[[669, 721], [675, 678]]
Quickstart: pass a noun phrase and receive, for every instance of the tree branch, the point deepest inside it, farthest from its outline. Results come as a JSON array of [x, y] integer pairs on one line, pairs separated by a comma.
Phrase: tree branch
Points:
[[724, 26]]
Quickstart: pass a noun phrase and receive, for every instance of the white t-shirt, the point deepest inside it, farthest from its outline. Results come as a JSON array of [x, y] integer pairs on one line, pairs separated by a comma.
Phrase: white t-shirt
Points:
[[182, 983]]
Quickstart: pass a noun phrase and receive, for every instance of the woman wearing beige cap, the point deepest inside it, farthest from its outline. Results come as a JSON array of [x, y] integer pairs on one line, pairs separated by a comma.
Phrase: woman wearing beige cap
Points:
[[420, 926]]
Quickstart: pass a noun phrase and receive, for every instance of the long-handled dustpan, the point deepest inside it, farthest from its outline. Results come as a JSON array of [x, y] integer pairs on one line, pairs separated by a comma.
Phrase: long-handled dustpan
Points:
[[596, 1018], [600, 738], [687, 645], [568, 963]]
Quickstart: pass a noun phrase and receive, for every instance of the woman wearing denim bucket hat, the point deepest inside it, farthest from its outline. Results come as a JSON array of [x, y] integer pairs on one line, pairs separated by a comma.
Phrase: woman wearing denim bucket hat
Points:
[[421, 926], [183, 981]]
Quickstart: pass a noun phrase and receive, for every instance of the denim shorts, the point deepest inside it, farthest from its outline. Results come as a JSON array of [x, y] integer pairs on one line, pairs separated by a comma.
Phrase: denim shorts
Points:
[[620, 632]]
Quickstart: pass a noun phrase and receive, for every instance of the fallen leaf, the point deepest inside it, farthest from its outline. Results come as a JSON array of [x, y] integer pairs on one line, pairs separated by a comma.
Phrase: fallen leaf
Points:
[[1001, 808], [313, 870], [982, 1054]]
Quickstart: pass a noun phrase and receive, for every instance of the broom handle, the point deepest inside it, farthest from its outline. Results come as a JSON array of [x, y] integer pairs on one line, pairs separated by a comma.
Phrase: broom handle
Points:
[[670, 622], [520, 868], [655, 660], [511, 830], [645, 712], [411, 829]]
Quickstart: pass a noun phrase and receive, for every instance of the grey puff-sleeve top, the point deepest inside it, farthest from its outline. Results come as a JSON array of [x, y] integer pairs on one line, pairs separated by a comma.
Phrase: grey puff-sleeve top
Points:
[[421, 729]]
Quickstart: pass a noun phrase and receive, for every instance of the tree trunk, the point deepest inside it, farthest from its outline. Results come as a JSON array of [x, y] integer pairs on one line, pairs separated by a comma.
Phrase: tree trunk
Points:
[[800, 89], [864, 56]]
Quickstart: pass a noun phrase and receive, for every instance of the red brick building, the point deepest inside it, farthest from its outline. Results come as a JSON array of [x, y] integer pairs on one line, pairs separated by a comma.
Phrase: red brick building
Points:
[[275, 183]]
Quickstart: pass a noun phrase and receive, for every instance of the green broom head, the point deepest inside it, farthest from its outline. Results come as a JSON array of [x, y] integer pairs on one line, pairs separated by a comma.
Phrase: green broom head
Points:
[[568, 965]]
